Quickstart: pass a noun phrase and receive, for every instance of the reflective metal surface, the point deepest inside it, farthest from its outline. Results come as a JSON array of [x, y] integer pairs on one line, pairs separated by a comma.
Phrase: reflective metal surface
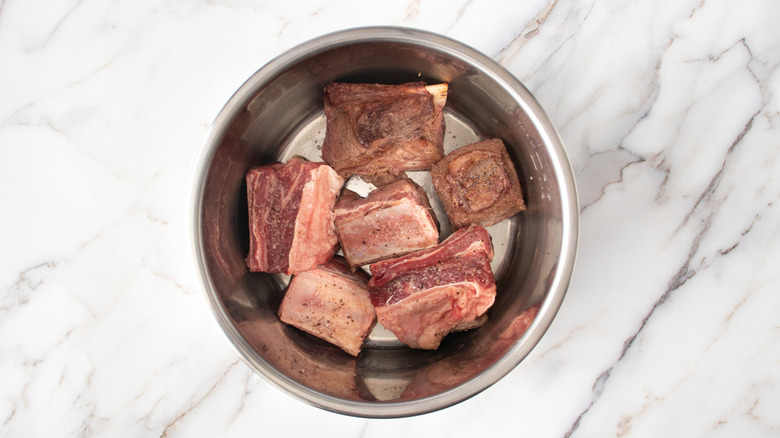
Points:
[[278, 113]]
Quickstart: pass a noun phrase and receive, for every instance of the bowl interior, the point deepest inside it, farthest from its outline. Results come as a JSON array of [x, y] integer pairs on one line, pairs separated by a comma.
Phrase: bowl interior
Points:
[[279, 113]]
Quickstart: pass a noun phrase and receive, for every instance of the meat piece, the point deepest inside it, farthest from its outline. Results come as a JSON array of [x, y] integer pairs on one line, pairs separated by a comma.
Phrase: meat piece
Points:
[[423, 296], [332, 303], [291, 225], [478, 184], [391, 221], [379, 131]]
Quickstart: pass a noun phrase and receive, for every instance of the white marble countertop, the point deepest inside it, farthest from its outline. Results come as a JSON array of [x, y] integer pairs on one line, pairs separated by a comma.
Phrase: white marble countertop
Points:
[[669, 111]]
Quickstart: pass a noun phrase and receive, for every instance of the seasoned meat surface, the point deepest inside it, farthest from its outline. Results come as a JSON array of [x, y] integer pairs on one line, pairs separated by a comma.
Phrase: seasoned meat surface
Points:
[[332, 303], [478, 184], [379, 131], [391, 221], [423, 296], [291, 226]]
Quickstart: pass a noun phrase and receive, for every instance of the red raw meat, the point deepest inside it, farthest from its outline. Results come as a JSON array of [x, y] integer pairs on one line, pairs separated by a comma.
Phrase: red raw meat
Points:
[[478, 184], [291, 225], [379, 131], [332, 303], [391, 221], [423, 296]]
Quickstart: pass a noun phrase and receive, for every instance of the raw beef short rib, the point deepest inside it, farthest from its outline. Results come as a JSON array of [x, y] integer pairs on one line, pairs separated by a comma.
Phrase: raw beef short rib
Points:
[[291, 226], [379, 131], [423, 296], [391, 221], [478, 184], [332, 303]]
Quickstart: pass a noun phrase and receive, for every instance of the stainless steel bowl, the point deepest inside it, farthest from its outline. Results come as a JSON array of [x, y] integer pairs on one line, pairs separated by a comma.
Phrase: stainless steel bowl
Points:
[[278, 113]]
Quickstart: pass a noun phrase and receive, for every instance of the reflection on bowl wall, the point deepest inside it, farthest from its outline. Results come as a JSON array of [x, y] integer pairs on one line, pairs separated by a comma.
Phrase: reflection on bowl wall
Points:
[[279, 113]]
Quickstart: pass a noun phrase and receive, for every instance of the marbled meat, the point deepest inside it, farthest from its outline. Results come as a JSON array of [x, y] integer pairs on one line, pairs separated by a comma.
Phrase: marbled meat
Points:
[[423, 296], [478, 184], [379, 131], [391, 221], [291, 226], [332, 303]]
